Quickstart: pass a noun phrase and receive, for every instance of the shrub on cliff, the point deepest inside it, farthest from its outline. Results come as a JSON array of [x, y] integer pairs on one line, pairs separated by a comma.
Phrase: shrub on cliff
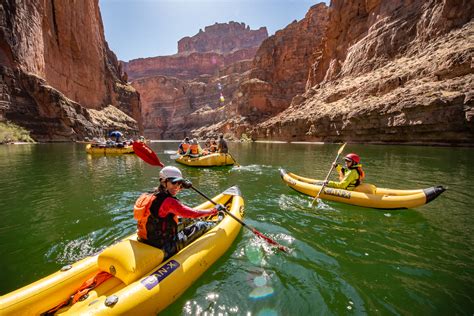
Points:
[[10, 132]]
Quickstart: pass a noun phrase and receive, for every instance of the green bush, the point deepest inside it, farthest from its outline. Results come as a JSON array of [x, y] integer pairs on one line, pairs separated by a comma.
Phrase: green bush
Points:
[[10, 132], [245, 139]]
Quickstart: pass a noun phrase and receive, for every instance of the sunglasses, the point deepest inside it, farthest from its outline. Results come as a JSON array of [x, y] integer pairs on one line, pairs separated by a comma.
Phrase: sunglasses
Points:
[[174, 182]]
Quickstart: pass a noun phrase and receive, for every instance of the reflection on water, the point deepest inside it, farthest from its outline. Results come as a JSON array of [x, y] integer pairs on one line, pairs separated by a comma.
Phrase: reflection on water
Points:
[[59, 205]]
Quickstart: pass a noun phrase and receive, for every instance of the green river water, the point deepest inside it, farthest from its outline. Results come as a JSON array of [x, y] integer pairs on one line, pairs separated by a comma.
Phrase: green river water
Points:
[[59, 204]]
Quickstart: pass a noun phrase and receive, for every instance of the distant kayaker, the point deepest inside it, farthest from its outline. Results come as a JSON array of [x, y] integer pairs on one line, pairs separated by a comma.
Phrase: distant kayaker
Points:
[[222, 146], [194, 149], [157, 215], [350, 176], [184, 146]]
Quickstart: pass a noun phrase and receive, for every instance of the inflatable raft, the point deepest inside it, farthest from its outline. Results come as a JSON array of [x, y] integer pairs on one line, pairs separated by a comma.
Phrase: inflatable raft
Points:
[[140, 283], [210, 160], [99, 149], [367, 195]]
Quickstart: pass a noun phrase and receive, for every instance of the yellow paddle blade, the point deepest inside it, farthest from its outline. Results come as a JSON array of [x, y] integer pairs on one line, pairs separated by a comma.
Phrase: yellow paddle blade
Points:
[[341, 149]]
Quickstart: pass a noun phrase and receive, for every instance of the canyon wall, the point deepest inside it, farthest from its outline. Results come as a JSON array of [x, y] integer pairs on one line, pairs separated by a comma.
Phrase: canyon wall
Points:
[[185, 66], [218, 46], [223, 38], [182, 92], [55, 67], [281, 66], [390, 72], [379, 72]]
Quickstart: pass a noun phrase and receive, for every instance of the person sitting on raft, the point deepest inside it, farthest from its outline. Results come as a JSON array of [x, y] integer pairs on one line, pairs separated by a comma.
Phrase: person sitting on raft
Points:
[[184, 146], [213, 146], [157, 215], [194, 149], [210, 146], [349, 177]]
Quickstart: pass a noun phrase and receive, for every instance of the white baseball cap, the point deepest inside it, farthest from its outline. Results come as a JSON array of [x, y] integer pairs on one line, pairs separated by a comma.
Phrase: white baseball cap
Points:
[[171, 173]]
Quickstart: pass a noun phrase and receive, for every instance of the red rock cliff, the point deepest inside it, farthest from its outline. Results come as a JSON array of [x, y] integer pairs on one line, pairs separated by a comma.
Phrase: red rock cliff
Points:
[[219, 46], [56, 66], [182, 92], [223, 38], [281, 65], [391, 71]]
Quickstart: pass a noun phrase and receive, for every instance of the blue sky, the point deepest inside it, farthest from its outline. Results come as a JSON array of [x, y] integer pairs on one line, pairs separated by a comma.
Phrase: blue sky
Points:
[[147, 28]]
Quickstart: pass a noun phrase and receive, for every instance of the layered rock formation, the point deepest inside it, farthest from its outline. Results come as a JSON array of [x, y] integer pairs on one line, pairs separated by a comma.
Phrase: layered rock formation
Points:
[[172, 107], [397, 72], [185, 66], [383, 72], [182, 92], [203, 54], [223, 38], [56, 67], [278, 72], [281, 65]]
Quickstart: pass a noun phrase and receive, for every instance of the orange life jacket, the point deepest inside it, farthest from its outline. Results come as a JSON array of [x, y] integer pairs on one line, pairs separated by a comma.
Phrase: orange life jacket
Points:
[[155, 229], [194, 149], [185, 146]]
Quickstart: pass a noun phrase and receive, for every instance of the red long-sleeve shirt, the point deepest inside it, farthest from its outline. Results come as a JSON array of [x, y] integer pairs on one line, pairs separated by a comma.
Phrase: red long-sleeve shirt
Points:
[[175, 207]]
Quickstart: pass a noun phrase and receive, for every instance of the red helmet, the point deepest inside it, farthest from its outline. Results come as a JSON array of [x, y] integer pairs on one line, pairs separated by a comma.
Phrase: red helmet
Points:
[[354, 157]]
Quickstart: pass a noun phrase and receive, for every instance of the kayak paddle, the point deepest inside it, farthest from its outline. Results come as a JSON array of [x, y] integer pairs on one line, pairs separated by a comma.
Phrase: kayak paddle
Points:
[[253, 230], [329, 173], [149, 156], [234, 159]]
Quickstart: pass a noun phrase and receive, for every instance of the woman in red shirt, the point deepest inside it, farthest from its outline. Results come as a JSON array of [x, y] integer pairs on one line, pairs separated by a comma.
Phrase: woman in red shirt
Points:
[[157, 215]]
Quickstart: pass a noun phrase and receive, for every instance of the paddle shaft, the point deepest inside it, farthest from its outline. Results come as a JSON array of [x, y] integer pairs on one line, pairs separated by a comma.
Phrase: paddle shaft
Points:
[[234, 160], [253, 230], [329, 173]]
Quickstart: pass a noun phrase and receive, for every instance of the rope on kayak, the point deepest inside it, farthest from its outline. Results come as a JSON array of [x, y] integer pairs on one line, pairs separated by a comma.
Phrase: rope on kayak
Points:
[[83, 290]]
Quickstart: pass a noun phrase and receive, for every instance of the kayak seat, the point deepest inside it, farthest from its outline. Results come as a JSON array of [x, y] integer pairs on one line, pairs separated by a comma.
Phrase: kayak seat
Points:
[[129, 260], [366, 188]]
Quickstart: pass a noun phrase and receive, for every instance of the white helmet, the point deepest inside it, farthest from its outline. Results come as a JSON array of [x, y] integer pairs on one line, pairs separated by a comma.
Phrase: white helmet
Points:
[[171, 173]]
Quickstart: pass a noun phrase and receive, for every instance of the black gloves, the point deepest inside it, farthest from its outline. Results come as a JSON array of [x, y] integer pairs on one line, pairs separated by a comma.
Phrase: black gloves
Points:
[[220, 208], [221, 211], [186, 184], [220, 215]]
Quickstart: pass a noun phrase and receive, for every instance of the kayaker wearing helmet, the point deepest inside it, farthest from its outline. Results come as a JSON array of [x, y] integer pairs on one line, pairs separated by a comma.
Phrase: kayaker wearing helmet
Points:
[[157, 215], [349, 177]]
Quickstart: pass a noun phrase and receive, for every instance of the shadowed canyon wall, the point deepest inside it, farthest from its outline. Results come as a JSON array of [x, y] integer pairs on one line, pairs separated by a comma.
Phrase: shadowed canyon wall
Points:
[[59, 79]]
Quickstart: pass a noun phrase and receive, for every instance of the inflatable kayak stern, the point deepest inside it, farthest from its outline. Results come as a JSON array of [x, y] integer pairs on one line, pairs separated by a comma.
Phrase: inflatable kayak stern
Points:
[[433, 192]]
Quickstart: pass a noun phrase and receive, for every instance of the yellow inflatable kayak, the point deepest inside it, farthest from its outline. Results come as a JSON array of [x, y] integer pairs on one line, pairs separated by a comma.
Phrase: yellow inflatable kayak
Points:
[[367, 195], [141, 283], [210, 160], [99, 149]]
